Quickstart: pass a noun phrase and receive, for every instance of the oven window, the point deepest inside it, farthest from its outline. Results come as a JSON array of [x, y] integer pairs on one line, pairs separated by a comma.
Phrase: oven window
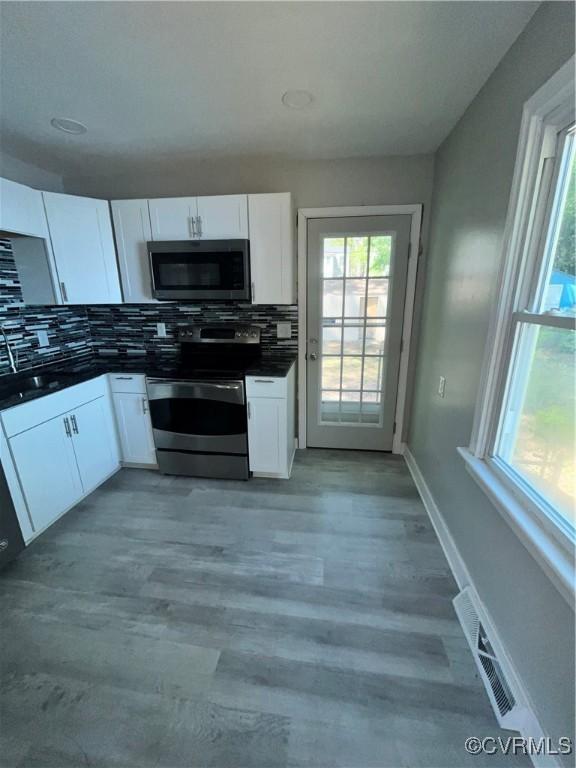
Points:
[[187, 416], [201, 271]]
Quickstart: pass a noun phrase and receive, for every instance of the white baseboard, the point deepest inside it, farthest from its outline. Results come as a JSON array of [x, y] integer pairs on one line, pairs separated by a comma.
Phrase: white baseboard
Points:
[[455, 561], [531, 727]]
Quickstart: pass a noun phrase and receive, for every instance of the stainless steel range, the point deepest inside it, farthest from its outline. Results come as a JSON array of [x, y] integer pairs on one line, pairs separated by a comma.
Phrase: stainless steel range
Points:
[[199, 413]]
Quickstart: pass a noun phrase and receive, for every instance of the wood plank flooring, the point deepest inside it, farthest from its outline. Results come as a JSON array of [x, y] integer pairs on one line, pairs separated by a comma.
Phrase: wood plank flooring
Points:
[[183, 623]]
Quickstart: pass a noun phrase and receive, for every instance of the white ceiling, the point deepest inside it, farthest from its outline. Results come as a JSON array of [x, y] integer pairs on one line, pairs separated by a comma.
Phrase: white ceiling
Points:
[[205, 79]]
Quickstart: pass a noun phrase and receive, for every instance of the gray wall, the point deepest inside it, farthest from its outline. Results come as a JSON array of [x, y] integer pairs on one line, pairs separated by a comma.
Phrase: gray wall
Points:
[[25, 173], [312, 182], [472, 184]]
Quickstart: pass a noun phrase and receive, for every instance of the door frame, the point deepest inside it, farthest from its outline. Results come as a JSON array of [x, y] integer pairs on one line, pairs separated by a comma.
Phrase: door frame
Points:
[[304, 214]]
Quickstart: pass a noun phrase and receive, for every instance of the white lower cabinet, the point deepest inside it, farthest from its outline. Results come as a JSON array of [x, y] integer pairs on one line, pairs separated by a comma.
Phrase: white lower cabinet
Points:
[[94, 442], [60, 447], [46, 467], [271, 426], [134, 428]]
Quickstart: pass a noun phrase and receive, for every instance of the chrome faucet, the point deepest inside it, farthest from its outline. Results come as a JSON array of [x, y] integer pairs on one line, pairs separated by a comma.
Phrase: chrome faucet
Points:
[[11, 360]]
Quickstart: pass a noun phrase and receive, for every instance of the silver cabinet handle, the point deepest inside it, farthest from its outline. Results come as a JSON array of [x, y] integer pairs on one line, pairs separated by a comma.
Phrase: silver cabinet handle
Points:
[[249, 410], [123, 378], [3, 544], [64, 293], [192, 226], [263, 381], [253, 292], [74, 424], [144, 405], [199, 226], [67, 426]]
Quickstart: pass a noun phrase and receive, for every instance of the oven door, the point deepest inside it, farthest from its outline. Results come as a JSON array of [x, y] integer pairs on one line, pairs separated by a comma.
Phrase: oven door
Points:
[[199, 416], [200, 269]]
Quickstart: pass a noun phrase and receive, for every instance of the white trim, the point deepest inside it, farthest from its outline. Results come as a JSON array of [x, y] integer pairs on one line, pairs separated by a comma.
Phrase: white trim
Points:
[[455, 561], [413, 210], [557, 560], [529, 725]]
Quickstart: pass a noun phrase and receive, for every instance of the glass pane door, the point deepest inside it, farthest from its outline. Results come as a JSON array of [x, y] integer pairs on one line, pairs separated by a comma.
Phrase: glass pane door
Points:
[[355, 286]]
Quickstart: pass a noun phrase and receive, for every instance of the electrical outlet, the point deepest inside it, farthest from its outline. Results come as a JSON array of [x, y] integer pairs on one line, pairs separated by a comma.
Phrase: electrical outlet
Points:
[[161, 330], [43, 338], [442, 386], [283, 330]]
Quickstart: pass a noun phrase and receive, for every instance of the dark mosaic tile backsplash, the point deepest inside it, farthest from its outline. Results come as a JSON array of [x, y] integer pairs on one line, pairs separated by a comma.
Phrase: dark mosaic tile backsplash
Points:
[[117, 330]]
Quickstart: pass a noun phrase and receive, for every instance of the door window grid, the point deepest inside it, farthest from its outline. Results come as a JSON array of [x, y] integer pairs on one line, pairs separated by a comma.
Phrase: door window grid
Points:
[[355, 288]]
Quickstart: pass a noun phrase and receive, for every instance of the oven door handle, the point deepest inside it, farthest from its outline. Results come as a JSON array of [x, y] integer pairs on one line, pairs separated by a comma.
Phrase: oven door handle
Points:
[[167, 389]]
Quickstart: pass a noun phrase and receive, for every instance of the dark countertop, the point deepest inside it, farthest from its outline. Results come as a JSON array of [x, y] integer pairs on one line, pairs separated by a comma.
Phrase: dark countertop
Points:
[[13, 390]]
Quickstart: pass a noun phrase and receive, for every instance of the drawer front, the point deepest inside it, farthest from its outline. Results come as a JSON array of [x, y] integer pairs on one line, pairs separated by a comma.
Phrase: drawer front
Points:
[[22, 417], [128, 382], [266, 386]]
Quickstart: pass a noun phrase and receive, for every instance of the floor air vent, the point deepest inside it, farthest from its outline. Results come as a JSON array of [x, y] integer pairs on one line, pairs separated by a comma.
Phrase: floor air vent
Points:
[[490, 662]]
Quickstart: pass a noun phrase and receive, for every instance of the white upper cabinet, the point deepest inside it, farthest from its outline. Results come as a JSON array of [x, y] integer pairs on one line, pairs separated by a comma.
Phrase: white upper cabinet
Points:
[[132, 230], [83, 246], [173, 218], [272, 248], [222, 217], [21, 210]]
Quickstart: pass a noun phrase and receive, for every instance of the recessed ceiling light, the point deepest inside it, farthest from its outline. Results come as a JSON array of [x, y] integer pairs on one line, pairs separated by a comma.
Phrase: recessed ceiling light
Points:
[[297, 99], [68, 126]]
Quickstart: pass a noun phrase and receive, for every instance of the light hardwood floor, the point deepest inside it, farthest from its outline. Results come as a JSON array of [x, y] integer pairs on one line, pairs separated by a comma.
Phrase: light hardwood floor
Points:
[[175, 622]]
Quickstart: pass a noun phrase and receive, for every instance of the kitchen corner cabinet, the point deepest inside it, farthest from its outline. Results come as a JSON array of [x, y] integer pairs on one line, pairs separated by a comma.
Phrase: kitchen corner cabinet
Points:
[[271, 221], [61, 447], [83, 247], [22, 210], [271, 424], [132, 229], [132, 413], [218, 217]]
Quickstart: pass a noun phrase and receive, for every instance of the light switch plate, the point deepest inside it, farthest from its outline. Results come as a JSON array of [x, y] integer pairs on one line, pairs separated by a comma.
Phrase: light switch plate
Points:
[[161, 330], [284, 330], [43, 338]]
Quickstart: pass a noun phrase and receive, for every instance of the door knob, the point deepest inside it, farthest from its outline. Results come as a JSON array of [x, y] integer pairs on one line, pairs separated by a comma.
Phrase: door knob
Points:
[[313, 356]]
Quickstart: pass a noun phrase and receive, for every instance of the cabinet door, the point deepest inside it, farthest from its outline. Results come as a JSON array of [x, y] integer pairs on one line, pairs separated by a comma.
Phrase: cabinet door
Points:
[[94, 441], [271, 248], [266, 430], [83, 245], [21, 210], [132, 229], [173, 218], [44, 459], [134, 428], [223, 217]]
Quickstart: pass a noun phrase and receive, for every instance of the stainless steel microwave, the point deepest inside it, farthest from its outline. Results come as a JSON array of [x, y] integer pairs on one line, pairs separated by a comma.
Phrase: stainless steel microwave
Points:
[[207, 270]]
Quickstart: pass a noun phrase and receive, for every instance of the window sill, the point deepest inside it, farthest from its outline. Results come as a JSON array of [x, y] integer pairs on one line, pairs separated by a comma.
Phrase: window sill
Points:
[[554, 557]]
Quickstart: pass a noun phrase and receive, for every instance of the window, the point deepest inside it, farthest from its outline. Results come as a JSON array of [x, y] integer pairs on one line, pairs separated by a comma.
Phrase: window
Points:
[[535, 439], [522, 451]]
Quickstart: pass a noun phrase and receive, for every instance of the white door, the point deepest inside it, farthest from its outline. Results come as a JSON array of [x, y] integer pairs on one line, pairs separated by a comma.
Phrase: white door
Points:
[[44, 458], [223, 217], [132, 229], [266, 433], [271, 248], [134, 428], [173, 218], [94, 441], [83, 245], [357, 269]]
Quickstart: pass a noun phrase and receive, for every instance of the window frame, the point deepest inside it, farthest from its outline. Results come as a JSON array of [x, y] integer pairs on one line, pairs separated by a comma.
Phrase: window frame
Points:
[[546, 115]]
